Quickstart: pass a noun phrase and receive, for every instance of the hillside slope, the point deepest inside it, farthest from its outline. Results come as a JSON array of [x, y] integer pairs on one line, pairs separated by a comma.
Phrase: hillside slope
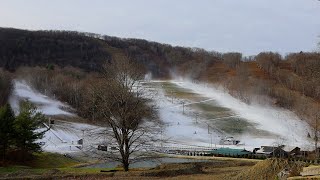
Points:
[[88, 51], [291, 82]]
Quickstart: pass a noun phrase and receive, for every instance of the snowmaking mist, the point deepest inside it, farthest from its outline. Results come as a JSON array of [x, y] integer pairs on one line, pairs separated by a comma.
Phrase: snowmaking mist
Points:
[[288, 129], [45, 104]]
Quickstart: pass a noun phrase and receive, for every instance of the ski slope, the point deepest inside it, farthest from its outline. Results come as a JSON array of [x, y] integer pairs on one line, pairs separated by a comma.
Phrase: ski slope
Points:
[[45, 104], [180, 128], [63, 136], [285, 125]]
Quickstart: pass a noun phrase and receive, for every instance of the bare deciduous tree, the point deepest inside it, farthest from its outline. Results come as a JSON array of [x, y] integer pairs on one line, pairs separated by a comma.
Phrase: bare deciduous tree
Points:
[[125, 108], [316, 124], [232, 60], [268, 61]]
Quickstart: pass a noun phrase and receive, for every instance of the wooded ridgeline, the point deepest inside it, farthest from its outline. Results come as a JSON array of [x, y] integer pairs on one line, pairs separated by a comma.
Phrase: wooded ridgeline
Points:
[[292, 82]]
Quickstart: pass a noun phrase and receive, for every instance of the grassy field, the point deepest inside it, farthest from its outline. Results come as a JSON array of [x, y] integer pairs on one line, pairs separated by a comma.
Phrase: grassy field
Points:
[[172, 90], [41, 164], [55, 166], [51, 160], [47, 166]]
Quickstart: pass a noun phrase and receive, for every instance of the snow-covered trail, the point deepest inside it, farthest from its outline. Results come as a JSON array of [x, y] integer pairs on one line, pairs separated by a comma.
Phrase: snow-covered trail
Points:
[[63, 136], [291, 130], [45, 104], [181, 128]]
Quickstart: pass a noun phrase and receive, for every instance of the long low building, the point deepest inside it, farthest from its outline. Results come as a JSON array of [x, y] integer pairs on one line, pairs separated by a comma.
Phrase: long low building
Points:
[[230, 152]]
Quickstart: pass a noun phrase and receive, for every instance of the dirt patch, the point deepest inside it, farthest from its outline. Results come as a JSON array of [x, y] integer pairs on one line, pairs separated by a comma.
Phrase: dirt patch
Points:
[[199, 168]]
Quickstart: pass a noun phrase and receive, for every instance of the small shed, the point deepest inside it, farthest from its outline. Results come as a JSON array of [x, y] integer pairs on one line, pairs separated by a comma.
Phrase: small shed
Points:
[[280, 153], [296, 152], [271, 151], [265, 150], [80, 141]]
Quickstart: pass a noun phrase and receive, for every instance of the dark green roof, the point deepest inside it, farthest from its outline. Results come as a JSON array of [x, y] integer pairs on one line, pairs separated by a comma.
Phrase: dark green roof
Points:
[[229, 151]]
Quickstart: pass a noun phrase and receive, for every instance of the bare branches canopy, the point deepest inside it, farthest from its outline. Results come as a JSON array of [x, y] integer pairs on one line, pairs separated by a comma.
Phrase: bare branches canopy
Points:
[[124, 107]]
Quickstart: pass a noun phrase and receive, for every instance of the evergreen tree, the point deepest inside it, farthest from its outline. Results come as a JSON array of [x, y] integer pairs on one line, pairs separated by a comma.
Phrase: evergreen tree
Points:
[[5, 87], [26, 128], [6, 129]]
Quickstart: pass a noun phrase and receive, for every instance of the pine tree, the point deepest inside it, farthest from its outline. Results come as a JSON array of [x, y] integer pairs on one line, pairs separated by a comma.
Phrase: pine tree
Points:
[[6, 129], [26, 128]]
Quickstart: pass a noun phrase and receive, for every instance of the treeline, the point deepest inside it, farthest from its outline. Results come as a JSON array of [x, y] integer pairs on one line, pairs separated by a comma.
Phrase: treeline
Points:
[[296, 82], [291, 82], [160, 59], [69, 84], [5, 87], [89, 51], [40, 48]]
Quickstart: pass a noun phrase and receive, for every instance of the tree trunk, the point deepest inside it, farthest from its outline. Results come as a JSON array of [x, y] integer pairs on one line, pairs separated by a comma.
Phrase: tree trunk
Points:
[[125, 162], [126, 166], [4, 151], [316, 138], [126, 153]]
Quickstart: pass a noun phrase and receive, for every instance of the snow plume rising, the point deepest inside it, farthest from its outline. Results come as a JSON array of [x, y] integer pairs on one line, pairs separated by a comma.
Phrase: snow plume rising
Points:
[[290, 128], [45, 104]]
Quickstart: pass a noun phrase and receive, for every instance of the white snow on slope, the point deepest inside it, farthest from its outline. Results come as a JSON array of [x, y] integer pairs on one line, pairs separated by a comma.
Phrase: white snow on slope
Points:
[[63, 136], [46, 105], [292, 130], [180, 128]]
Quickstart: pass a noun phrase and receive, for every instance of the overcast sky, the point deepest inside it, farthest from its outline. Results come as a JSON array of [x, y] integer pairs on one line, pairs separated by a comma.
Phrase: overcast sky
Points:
[[247, 26]]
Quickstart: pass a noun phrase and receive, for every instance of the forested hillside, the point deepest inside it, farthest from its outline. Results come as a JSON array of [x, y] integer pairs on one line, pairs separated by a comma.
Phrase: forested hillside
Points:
[[292, 82], [40, 48], [88, 51]]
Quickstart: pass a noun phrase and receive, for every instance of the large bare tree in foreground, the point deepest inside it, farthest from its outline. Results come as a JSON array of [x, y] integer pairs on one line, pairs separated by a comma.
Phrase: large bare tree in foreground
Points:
[[125, 108]]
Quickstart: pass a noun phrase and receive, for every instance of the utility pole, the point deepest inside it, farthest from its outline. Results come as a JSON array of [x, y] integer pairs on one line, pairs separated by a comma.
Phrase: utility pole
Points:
[[172, 97], [183, 107], [197, 118], [49, 123], [316, 136], [210, 135], [83, 139], [161, 141]]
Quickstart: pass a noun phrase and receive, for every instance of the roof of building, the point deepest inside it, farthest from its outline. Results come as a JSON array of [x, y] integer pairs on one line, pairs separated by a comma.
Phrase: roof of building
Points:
[[269, 150], [229, 151]]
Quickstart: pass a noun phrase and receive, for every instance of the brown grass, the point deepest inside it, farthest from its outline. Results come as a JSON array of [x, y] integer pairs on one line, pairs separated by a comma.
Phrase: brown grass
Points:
[[267, 169], [217, 169]]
